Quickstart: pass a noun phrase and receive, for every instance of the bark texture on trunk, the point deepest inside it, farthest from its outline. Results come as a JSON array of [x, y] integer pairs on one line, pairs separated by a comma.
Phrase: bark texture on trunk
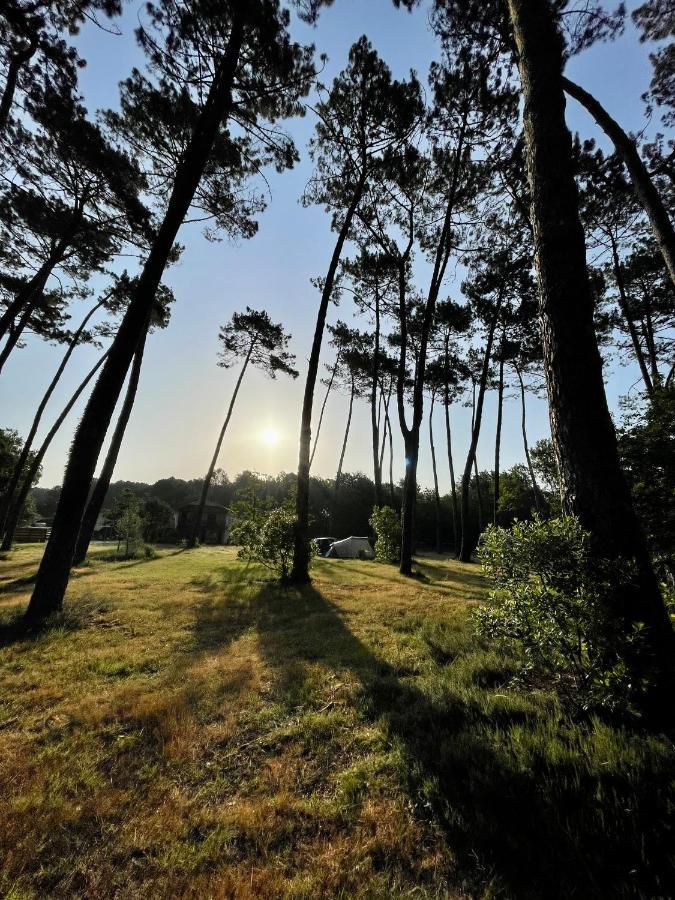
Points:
[[53, 574], [645, 189], [301, 554], [98, 495], [593, 485]]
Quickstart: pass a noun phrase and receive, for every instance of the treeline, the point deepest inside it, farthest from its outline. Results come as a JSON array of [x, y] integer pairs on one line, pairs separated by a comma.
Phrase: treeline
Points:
[[338, 516]]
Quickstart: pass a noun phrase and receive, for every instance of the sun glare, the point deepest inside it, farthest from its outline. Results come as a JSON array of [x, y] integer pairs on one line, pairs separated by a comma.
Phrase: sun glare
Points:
[[270, 436]]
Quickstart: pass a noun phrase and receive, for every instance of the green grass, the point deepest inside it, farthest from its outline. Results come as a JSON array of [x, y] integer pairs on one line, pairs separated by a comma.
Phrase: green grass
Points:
[[187, 729]]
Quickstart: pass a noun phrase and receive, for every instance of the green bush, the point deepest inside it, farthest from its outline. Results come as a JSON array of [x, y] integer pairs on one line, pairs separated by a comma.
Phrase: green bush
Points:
[[387, 527], [549, 601], [269, 540]]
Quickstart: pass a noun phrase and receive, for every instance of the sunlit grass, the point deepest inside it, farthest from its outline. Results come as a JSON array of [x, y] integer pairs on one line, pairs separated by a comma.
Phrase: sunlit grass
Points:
[[188, 729]]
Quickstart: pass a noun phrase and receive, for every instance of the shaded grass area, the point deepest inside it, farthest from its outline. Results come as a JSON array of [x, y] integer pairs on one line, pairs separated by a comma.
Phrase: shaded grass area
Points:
[[188, 729]]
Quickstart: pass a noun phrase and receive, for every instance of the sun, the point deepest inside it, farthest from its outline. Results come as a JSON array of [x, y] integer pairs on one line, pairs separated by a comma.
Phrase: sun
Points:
[[270, 436]]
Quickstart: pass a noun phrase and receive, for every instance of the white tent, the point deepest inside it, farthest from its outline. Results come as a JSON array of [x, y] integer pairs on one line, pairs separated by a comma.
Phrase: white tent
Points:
[[352, 548]]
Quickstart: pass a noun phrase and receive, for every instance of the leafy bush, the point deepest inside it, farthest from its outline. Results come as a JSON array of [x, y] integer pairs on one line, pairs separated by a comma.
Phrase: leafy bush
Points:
[[387, 527], [269, 540], [549, 600]]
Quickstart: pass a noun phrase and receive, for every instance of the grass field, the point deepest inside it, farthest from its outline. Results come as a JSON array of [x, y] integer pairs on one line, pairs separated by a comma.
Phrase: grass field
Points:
[[190, 730]]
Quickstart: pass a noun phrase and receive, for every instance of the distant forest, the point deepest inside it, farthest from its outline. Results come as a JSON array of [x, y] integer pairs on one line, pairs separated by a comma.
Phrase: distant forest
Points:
[[347, 514]]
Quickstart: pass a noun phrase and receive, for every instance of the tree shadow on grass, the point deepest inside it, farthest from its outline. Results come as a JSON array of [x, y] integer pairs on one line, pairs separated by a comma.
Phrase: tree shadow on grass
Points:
[[17, 584], [524, 831]]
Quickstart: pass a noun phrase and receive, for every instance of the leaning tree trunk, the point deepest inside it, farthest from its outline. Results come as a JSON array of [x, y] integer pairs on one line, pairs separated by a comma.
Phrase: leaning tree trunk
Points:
[[383, 443], [625, 309], [479, 495], [14, 513], [206, 484], [498, 437], [526, 445], [301, 554], [329, 388], [52, 577], [649, 340], [646, 192], [437, 496], [98, 495], [338, 474], [466, 546], [28, 298], [593, 485], [28, 443]]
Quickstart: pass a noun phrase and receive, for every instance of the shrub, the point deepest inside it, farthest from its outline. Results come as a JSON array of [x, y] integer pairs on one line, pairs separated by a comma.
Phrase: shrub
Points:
[[269, 540], [128, 524], [387, 527], [549, 600]]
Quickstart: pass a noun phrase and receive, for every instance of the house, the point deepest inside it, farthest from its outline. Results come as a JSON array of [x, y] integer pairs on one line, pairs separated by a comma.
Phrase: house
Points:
[[104, 530], [215, 527]]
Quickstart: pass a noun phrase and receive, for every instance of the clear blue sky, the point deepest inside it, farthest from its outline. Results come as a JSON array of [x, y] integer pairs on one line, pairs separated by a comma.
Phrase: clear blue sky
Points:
[[183, 394]]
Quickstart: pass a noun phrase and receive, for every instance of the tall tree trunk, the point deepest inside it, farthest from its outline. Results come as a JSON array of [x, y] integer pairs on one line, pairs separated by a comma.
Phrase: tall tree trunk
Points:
[[411, 436], [25, 450], [498, 437], [466, 546], [408, 507], [643, 185], [448, 440], [206, 484], [301, 554], [390, 437], [593, 484], [526, 446], [100, 491], [374, 418], [52, 577], [453, 483], [437, 496], [338, 474], [625, 309], [329, 388], [385, 431], [14, 513]]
